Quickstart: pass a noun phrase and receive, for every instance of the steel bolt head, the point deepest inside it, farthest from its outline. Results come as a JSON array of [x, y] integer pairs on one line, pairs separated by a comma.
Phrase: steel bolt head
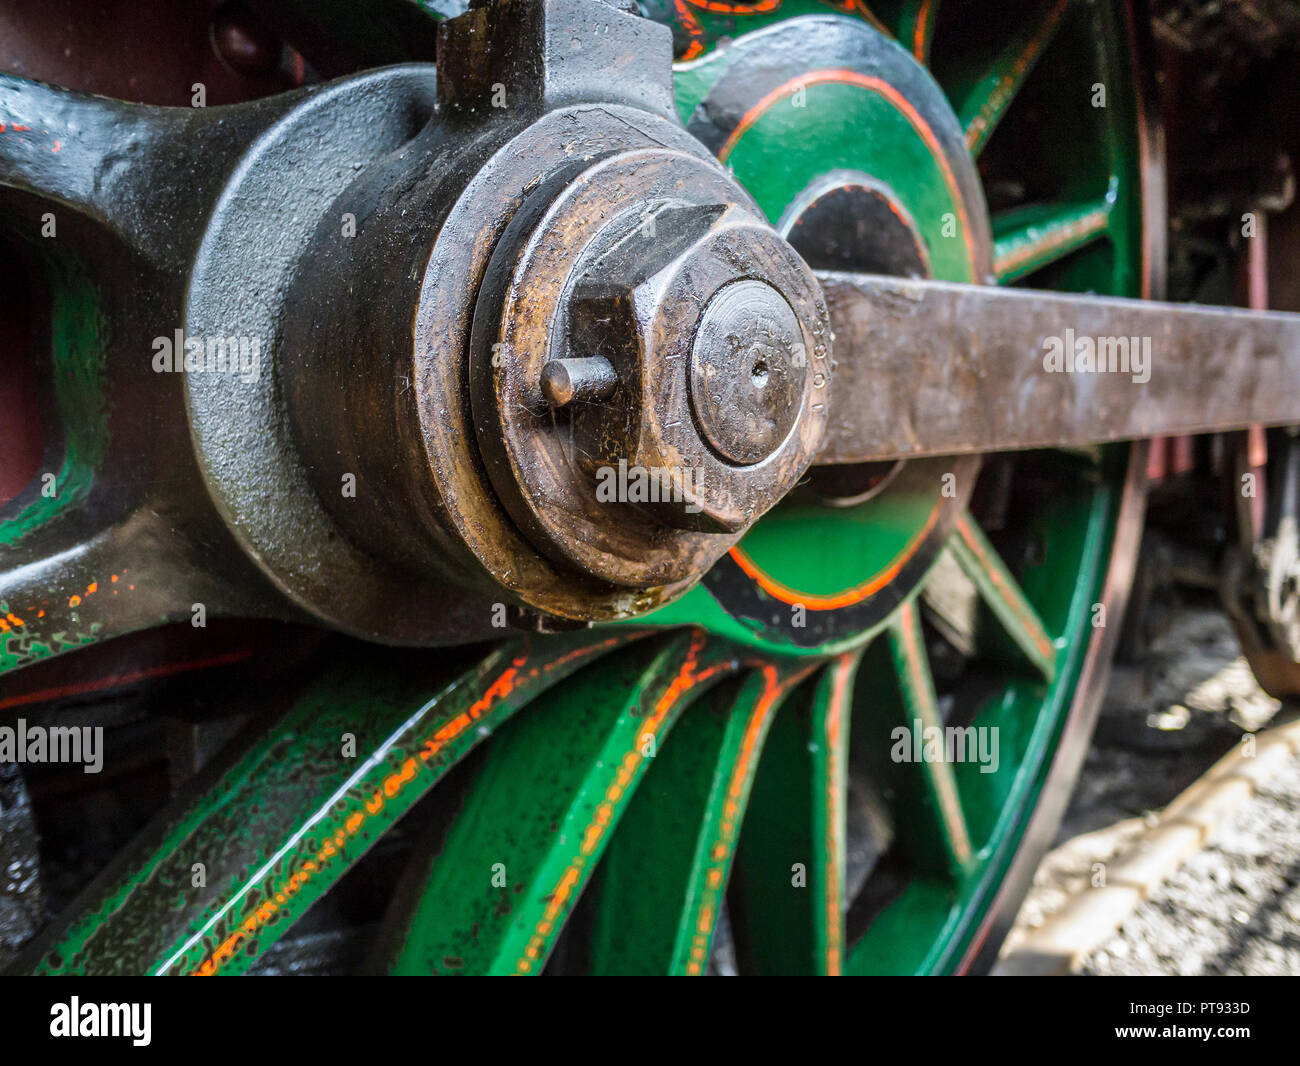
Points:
[[653, 262], [714, 363]]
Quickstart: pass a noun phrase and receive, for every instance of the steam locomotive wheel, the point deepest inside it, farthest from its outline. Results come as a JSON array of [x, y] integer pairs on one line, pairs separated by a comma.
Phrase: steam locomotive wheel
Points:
[[843, 751]]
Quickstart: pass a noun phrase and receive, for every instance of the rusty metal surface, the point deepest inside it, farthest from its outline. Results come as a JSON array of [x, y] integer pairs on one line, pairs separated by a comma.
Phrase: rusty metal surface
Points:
[[648, 289], [933, 368], [479, 248]]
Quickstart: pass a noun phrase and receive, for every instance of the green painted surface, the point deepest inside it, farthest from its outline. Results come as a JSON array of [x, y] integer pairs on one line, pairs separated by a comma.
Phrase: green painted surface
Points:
[[19, 648], [982, 564], [822, 551], [692, 82], [78, 376], [1057, 245], [788, 147], [948, 896], [778, 884], [982, 103], [1032, 237], [921, 717], [916, 25], [542, 810], [894, 943], [807, 547], [278, 828], [662, 884], [699, 25], [78, 373], [786, 901]]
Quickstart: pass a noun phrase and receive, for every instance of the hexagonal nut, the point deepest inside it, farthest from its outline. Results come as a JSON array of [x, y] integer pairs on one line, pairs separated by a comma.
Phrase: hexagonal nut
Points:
[[718, 372], [530, 56]]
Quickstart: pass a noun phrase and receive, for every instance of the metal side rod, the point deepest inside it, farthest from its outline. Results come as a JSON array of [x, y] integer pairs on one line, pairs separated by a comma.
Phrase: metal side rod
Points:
[[936, 368]]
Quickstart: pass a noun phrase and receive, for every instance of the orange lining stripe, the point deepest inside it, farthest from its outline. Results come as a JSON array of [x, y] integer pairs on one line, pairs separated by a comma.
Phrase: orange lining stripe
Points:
[[117, 680], [695, 29], [1006, 85], [629, 765], [857, 594], [881, 88], [500, 688], [920, 31], [1085, 226], [719, 854], [945, 787], [690, 22], [834, 897]]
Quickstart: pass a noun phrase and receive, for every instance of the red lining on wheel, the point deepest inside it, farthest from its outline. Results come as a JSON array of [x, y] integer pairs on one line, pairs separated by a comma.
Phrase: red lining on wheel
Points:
[[849, 597], [871, 84]]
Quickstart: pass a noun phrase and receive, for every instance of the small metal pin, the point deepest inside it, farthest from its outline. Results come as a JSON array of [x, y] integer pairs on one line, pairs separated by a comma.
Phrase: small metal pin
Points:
[[589, 380]]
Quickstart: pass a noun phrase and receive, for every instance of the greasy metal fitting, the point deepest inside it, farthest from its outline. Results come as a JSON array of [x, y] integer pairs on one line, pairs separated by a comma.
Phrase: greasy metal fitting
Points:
[[716, 362], [563, 357], [699, 341]]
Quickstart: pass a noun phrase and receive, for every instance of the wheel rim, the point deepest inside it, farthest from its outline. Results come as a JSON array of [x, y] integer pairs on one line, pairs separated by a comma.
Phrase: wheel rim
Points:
[[739, 775]]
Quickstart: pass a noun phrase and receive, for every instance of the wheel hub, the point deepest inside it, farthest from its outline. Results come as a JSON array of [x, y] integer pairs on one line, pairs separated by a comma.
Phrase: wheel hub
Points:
[[563, 361], [629, 279]]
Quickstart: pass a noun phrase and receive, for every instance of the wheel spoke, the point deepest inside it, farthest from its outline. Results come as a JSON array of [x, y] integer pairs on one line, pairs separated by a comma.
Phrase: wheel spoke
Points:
[[1029, 238], [988, 99], [661, 885], [831, 718], [980, 562], [907, 645], [102, 583], [916, 27], [1014, 715], [73, 148], [540, 813], [102, 158], [281, 823], [787, 893]]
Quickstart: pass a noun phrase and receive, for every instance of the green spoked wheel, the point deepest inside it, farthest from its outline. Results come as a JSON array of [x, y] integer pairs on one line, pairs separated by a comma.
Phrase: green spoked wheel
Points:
[[844, 750]]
